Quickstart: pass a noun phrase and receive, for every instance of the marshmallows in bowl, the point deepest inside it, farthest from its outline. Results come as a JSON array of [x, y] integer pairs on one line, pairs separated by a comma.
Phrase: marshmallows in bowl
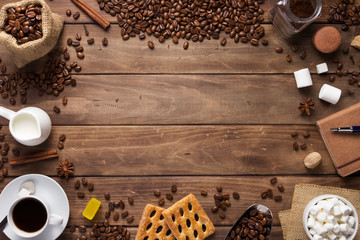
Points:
[[330, 217]]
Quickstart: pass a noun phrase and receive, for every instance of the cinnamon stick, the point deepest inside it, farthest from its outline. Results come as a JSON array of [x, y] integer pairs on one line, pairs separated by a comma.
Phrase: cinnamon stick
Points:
[[92, 13], [34, 157]]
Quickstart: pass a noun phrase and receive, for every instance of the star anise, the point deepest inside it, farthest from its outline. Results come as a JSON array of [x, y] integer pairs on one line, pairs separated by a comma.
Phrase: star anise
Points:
[[65, 169], [307, 106]]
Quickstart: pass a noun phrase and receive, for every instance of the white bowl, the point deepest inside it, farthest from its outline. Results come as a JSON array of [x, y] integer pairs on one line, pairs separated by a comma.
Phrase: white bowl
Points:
[[322, 197]]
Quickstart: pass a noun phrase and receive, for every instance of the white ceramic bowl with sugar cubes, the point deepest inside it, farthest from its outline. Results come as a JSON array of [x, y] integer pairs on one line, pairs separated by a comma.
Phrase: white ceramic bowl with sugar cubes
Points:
[[330, 217]]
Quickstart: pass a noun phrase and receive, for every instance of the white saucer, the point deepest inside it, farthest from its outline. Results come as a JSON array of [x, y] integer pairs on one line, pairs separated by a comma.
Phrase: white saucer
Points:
[[49, 191]]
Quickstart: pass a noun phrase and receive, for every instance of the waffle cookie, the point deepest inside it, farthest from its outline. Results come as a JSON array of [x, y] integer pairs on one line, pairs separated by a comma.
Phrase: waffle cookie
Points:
[[153, 226], [188, 220]]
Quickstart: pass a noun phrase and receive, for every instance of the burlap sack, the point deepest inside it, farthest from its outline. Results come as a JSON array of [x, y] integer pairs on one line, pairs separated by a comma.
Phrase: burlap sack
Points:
[[23, 54]]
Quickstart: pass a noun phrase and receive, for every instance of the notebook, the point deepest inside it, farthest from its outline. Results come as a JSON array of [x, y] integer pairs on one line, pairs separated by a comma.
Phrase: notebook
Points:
[[344, 148]]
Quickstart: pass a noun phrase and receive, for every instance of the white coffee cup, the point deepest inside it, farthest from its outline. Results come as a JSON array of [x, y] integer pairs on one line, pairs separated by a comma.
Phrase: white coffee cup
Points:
[[51, 219]]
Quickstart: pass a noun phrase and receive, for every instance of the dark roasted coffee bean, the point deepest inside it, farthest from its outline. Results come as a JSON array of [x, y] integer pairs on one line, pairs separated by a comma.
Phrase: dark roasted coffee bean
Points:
[[79, 49], [80, 55], [306, 134], [16, 151], [105, 42], [203, 192], [72, 228], [169, 196], [270, 193], [173, 188], [277, 198], [131, 200], [82, 229], [60, 145], [62, 137], [76, 15], [121, 204], [91, 41], [279, 49], [339, 66], [288, 58], [80, 195], [295, 146], [214, 209], [303, 55], [77, 184], [223, 42], [90, 186], [111, 206], [107, 196], [161, 201], [294, 134], [151, 44], [218, 196], [4, 171], [124, 214], [219, 188], [116, 216], [222, 214], [69, 41], [332, 78], [107, 213], [294, 47], [68, 12], [56, 109], [350, 91], [78, 36], [303, 146], [264, 42], [264, 195], [186, 45], [236, 195], [281, 188], [84, 181], [12, 101], [157, 193], [130, 219], [273, 180]]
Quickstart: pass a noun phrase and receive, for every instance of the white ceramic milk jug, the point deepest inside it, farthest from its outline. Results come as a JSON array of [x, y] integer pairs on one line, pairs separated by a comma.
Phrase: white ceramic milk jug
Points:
[[30, 126]]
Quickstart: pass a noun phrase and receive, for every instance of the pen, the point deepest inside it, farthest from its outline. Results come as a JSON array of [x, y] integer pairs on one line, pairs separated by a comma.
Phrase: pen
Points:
[[346, 129]]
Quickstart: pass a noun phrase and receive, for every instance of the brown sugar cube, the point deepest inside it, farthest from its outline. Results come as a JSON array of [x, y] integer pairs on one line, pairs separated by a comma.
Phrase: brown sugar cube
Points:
[[326, 39], [188, 220], [152, 225]]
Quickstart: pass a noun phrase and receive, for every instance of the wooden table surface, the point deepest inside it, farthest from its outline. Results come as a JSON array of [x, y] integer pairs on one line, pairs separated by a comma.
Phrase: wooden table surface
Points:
[[141, 119]]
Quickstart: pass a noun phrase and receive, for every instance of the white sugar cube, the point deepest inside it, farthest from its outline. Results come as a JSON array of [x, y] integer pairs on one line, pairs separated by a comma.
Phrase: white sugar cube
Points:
[[328, 205], [331, 235], [328, 227], [336, 228], [344, 227], [311, 222], [351, 221], [350, 231], [345, 210], [318, 228], [321, 216], [344, 218], [331, 219], [303, 78], [322, 68]]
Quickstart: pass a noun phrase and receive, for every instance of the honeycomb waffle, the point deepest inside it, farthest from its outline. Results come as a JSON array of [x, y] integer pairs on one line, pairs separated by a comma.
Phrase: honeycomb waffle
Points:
[[153, 226], [188, 220]]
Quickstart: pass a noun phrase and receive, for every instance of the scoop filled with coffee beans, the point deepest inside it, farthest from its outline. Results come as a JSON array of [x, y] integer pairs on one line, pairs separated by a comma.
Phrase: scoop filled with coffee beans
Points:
[[24, 23], [255, 223]]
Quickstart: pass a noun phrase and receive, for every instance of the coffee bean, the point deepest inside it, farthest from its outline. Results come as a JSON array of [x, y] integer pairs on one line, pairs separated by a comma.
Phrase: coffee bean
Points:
[[131, 200], [130, 219], [62, 137], [236, 195], [56, 109], [173, 188], [80, 55], [80, 195], [91, 41], [2, 179], [69, 41], [161, 201], [107, 213], [186, 45], [219, 188], [303, 55], [270, 193], [346, 72], [105, 42], [124, 214], [169, 196], [218, 196], [223, 42], [273, 180], [351, 91], [295, 146], [227, 203], [303, 146], [90, 187], [294, 134], [278, 49], [84, 181], [264, 42], [16, 151], [254, 42], [151, 44], [77, 69], [294, 47], [332, 78], [288, 58], [344, 28], [68, 12], [12, 101], [157, 193], [72, 228], [116, 216], [111, 206], [214, 209], [79, 49], [76, 15], [306, 134], [78, 36], [60, 145], [122, 204], [339, 66], [107, 196], [277, 198], [77, 184], [5, 172], [264, 194], [222, 214], [281, 188]]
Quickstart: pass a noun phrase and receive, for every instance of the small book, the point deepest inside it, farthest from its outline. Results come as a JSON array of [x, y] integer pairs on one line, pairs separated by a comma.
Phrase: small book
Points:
[[344, 148]]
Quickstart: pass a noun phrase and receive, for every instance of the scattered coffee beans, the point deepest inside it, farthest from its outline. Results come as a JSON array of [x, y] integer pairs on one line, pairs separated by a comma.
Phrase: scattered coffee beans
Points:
[[186, 45], [68, 12], [76, 15], [105, 42], [161, 201], [77, 184], [107, 196], [169, 196], [173, 188], [24, 23], [214, 209], [107, 213], [302, 55], [281, 188], [124, 214], [288, 58], [236, 195], [151, 44], [203, 192], [80, 195], [219, 188], [294, 134], [295, 146], [91, 41], [16, 151], [5, 172], [273, 180], [130, 219], [279, 49], [84, 181], [116, 216], [223, 42], [157, 193], [90, 187], [306, 134], [131, 200], [60, 145], [303, 146], [222, 214], [264, 42], [106, 231], [277, 198]]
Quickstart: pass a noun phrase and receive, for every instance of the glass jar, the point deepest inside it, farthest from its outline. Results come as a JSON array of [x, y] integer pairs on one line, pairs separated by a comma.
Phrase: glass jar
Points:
[[290, 17]]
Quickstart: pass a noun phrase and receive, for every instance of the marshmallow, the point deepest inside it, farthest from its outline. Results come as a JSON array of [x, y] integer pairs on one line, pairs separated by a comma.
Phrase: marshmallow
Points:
[[344, 218], [318, 228], [334, 200], [351, 221], [321, 216], [336, 228], [342, 238], [315, 209], [328, 227], [331, 219], [303, 78], [331, 235], [351, 231], [312, 231], [344, 227], [337, 211], [321, 68], [311, 222], [330, 94], [317, 237], [345, 210]]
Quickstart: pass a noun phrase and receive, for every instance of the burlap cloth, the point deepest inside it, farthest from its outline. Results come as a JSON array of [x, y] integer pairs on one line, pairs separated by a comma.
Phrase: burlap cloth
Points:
[[23, 54], [291, 220]]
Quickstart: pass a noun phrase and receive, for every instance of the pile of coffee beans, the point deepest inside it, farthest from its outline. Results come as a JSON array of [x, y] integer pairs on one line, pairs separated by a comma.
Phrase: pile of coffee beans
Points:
[[24, 23], [52, 80], [169, 196], [190, 20], [345, 12], [296, 145], [104, 231], [254, 225]]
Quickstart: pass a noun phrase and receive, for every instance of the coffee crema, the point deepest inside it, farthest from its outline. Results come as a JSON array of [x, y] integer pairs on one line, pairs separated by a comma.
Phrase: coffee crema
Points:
[[29, 215]]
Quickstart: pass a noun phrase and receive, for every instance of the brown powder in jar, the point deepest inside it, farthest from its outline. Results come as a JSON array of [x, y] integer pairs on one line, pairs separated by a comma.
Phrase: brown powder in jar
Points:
[[302, 8]]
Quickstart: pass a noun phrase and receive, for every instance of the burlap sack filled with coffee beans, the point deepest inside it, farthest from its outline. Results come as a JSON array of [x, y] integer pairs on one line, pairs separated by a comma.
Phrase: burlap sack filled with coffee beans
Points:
[[23, 54]]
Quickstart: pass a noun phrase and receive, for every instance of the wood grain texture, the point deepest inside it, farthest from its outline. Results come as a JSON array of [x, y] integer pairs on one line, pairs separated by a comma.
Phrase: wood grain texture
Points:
[[183, 99], [179, 150], [134, 56]]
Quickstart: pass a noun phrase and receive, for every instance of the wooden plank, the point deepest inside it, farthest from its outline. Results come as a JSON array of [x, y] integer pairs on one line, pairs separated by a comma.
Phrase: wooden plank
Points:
[[60, 8], [142, 188], [134, 56], [179, 150], [182, 99], [220, 233]]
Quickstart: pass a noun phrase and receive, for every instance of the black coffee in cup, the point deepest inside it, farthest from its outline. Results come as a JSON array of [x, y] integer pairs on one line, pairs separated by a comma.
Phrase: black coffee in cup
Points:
[[29, 215]]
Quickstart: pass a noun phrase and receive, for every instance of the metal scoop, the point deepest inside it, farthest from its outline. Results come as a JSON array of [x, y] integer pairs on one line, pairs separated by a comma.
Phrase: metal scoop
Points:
[[252, 212]]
